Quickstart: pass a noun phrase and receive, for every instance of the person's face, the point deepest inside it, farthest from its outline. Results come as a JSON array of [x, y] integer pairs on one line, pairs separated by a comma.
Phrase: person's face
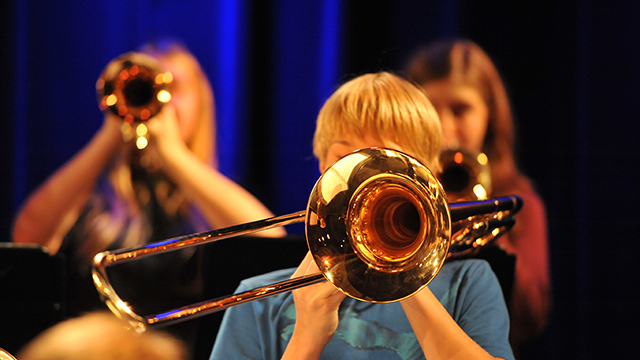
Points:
[[184, 94], [350, 143], [463, 113]]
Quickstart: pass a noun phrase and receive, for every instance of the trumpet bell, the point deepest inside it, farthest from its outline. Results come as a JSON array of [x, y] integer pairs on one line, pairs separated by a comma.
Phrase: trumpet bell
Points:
[[378, 225]]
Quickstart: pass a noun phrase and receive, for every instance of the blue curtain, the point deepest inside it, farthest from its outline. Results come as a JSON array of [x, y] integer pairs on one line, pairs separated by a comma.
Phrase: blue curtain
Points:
[[61, 48], [571, 68]]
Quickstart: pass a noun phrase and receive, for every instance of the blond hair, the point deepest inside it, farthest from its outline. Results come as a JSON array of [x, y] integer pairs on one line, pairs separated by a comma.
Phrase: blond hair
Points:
[[101, 336], [386, 107], [203, 141]]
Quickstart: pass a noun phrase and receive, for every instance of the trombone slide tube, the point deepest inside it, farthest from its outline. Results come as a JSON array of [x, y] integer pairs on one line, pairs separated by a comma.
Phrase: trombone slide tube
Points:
[[186, 241], [102, 260], [463, 210], [219, 304]]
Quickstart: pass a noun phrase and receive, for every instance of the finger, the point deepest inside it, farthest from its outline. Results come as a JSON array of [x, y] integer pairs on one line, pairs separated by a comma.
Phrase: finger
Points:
[[167, 110], [336, 297], [325, 290], [304, 265], [109, 116]]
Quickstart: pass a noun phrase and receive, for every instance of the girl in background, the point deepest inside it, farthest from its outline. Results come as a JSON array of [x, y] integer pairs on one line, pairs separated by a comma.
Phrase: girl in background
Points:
[[465, 87], [111, 195]]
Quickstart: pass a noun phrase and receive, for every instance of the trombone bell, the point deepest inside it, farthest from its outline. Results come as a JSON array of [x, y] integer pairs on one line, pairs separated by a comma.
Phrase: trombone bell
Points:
[[378, 225]]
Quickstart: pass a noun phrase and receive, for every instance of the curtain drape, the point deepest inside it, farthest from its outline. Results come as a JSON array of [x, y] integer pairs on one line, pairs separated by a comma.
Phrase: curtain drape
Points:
[[571, 69]]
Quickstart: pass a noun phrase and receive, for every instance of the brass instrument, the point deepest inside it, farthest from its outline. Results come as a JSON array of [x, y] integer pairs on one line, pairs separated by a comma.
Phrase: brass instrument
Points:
[[5, 355], [134, 86], [377, 224], [465, 175]]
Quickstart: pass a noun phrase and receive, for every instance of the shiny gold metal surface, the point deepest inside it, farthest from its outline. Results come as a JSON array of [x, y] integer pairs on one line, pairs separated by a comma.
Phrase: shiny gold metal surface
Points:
[[134, 86], [465, 175], [473, 233], [378, 225], [5, 355]]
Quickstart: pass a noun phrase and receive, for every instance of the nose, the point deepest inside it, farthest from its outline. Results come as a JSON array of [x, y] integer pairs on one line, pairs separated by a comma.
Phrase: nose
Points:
[[449, 130]]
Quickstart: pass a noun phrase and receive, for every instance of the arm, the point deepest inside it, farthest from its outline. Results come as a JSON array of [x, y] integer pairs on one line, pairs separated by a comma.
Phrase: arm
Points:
[[438, 334], [531, 296], [255, 331], [468, 318], [222, 201], [316, 315], [53, 208]]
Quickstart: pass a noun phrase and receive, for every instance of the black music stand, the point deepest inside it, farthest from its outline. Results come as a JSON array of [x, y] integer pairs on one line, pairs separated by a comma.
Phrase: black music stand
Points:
[[32, 293], [230, 261]]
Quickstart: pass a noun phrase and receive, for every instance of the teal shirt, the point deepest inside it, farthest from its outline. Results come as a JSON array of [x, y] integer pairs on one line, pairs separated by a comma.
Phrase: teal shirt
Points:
[[468, 289]]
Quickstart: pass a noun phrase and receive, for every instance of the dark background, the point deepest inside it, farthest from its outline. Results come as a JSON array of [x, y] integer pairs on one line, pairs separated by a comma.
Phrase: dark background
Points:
[[571, 69]]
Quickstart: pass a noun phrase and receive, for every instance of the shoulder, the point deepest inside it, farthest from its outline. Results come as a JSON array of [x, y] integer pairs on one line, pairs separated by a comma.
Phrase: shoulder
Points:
[[521, 186], [470, 292], [467, 268], [532, 202], [465, 280]]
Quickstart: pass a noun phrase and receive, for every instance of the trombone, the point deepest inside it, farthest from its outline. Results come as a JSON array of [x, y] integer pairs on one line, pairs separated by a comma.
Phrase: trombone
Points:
[[378, 225], [5, 355]]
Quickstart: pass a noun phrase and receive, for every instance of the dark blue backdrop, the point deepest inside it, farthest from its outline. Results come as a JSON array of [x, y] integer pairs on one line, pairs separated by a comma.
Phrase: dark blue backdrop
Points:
[[571, 68]]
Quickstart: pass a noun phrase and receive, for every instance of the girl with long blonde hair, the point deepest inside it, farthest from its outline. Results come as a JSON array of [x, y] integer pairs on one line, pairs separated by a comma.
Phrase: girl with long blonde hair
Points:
[[112, 195]]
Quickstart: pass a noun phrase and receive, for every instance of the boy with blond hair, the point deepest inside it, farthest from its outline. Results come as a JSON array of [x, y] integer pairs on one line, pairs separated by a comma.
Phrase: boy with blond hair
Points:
[[461, 314]]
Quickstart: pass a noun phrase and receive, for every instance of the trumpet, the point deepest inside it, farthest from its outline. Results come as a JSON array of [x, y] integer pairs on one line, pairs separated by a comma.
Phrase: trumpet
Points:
[[378, 225], [465, 175], [134, 86]]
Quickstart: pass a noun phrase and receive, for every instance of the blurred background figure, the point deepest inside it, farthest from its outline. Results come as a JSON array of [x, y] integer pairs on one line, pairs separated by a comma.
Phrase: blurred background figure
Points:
[[470, 97], [101, 336], [112, 195]]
